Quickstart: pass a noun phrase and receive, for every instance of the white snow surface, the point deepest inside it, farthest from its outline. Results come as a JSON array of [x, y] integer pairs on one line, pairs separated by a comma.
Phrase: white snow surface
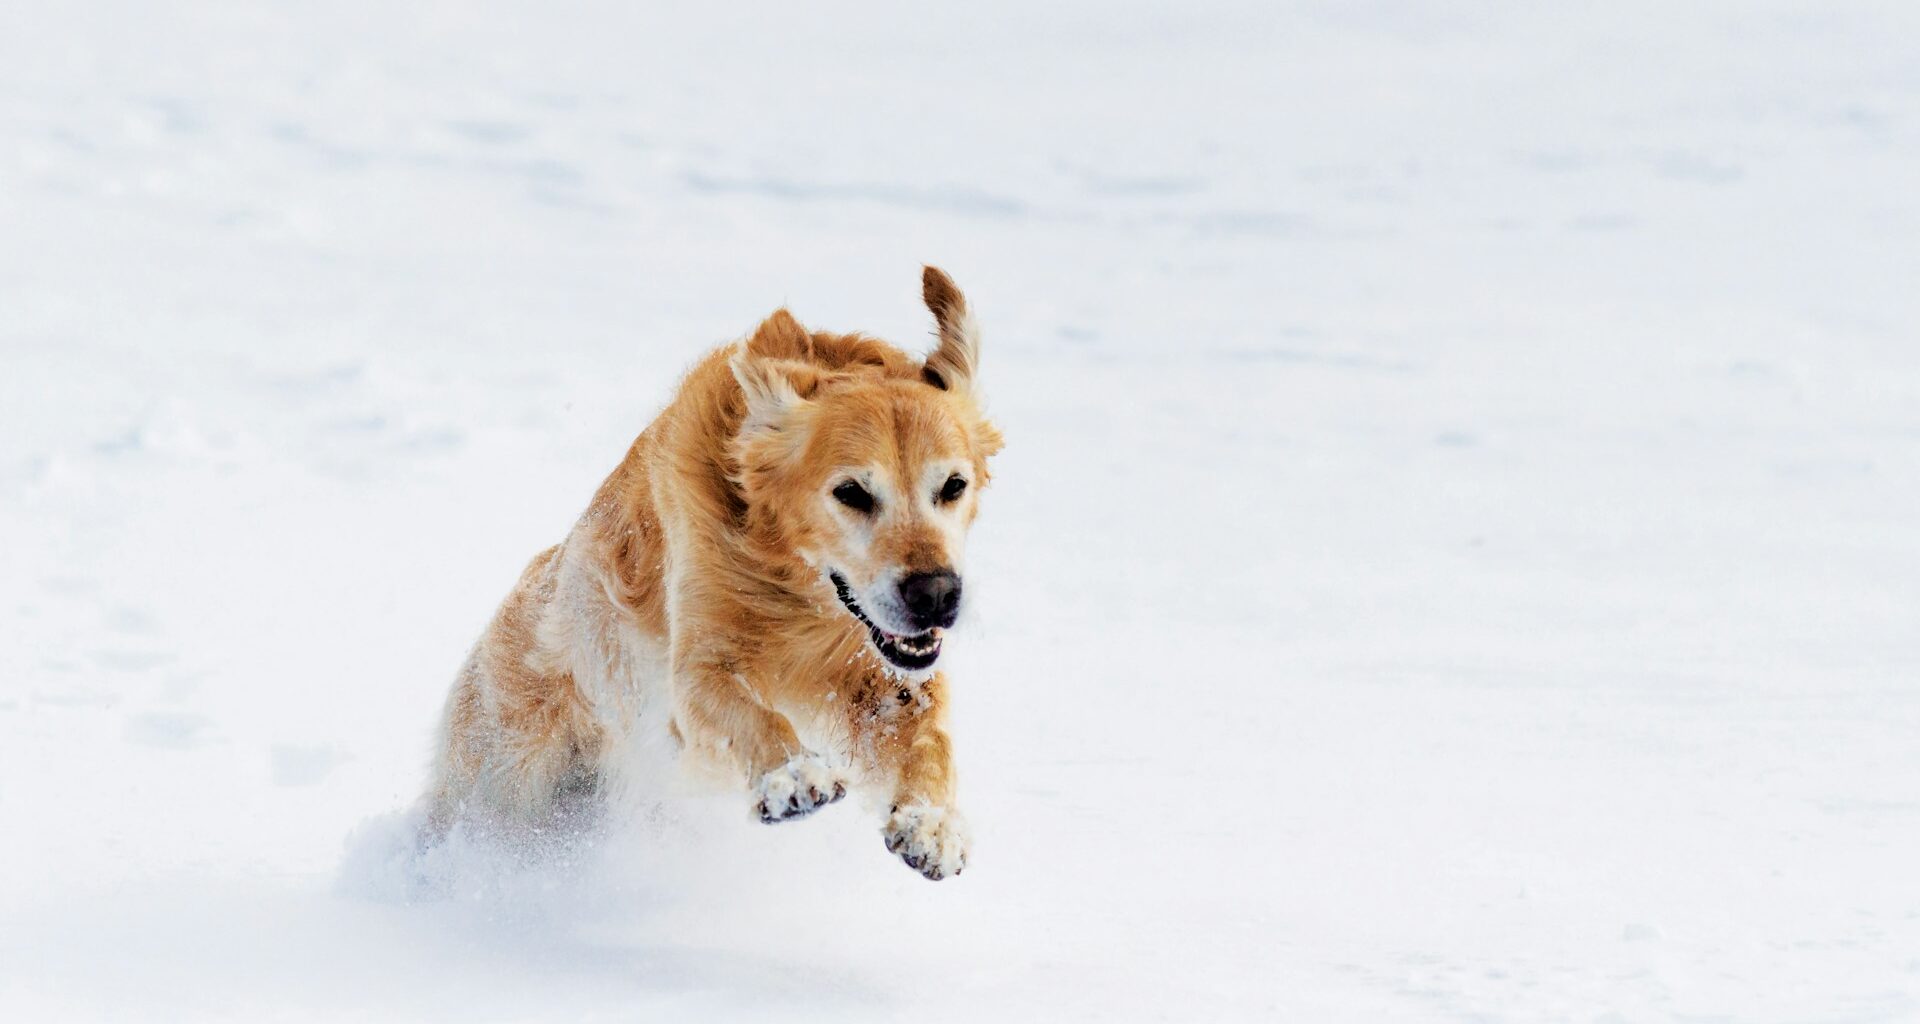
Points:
[[1457, 554]]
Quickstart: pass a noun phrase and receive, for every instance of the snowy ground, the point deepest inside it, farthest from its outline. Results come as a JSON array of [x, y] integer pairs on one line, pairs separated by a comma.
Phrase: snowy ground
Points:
[[1457, 557]]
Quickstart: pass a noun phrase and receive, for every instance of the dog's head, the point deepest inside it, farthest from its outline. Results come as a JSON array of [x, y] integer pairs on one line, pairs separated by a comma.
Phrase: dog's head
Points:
[[867, 465]]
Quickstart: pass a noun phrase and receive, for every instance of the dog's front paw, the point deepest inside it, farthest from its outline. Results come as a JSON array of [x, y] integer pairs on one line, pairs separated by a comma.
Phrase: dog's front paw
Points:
[[797, 789], [931, 839]]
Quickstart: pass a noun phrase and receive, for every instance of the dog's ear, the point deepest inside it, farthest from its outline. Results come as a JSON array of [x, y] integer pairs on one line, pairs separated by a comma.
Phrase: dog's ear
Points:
[[987, 437], [953, 365], [774, 388], [780, 336], [777, 423]]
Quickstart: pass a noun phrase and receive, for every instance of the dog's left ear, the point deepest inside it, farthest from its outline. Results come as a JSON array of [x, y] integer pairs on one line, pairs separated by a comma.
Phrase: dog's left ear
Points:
[[954, 364]]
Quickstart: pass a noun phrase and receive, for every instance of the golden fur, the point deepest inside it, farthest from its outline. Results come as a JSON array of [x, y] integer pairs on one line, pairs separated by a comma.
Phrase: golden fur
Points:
[[697, 582]]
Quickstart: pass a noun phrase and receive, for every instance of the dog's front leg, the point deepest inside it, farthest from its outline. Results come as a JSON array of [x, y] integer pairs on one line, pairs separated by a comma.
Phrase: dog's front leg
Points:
[[908, 736], [717, 712]]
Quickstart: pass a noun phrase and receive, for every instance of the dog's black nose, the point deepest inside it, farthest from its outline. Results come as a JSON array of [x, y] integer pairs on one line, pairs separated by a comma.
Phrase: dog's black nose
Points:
[[932, 598]]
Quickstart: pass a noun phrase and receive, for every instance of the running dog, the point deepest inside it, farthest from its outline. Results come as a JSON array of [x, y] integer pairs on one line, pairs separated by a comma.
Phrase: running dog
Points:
[[773, 565]]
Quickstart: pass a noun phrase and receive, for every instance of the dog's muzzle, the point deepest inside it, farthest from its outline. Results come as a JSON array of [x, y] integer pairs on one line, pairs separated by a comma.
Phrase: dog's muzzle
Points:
[[912, 652]]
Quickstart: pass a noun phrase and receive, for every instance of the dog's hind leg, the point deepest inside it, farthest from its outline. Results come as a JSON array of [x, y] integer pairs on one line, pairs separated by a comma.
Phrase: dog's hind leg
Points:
[[460, 756], [516, 729]]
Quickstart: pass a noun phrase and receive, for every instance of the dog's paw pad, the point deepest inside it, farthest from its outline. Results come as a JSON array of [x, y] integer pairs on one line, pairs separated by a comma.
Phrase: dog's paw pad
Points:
[[931, 840], [797, 789]]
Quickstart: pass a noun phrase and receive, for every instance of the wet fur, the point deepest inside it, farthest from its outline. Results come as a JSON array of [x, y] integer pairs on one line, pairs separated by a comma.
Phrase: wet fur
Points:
[[693, 588]]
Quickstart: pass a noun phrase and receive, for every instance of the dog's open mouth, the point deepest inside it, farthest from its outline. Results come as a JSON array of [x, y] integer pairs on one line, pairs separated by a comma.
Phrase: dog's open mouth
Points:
[[912, 653]]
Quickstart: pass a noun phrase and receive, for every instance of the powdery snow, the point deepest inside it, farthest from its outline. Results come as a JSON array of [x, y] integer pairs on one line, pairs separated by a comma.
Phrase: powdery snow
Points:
[[1457, 554]]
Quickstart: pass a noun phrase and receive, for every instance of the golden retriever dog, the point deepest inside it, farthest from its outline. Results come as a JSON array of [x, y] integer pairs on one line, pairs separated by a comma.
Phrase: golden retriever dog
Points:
[[772, 568]]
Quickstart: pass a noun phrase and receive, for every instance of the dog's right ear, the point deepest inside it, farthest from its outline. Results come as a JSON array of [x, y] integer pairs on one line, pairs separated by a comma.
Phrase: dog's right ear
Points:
[[780, 336], [777, 423], [775, 389]]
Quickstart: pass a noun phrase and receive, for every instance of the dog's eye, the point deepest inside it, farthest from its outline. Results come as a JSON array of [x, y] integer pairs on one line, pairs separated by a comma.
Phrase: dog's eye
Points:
[[853, 496], [956, 485]]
